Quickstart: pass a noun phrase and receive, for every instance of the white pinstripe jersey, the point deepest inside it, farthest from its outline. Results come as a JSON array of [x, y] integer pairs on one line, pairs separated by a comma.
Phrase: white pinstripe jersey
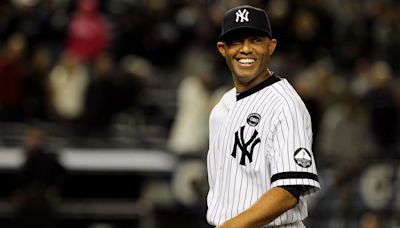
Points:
[[259, 139]]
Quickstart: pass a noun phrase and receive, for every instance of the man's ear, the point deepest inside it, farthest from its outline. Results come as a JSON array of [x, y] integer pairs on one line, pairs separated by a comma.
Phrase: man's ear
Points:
[[272, 46], [221, 48]]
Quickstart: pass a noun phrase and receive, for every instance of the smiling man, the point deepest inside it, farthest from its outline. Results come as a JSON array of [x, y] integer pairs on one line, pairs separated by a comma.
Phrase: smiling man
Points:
[[260, 163]]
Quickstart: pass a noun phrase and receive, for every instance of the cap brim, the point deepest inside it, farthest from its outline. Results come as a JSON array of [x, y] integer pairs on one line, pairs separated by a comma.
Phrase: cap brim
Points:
[[229, 32]]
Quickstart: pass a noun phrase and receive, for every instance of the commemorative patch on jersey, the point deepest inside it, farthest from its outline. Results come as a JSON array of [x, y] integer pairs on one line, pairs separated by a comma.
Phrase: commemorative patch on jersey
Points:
[[253, 119], [302, 157]]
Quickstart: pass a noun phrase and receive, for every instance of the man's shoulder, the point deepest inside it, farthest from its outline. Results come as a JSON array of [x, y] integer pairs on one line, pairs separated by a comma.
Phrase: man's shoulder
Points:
[[227, 98], [285, 90], [287, 94], [225, 102]]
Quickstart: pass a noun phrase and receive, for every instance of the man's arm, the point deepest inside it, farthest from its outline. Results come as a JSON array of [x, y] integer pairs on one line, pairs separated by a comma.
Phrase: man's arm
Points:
[[272, 204]]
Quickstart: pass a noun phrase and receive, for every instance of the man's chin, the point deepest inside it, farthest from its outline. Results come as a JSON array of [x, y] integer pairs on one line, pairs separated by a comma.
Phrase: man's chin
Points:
[[245, 77], [249, 79], [245, 81]]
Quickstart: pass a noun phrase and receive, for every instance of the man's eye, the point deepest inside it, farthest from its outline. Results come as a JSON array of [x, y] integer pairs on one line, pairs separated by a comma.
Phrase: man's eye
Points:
[[235, 42], [256, 39]]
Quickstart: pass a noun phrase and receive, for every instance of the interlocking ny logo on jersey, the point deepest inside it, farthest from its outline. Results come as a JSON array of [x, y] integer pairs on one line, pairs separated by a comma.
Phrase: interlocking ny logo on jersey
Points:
[[243, 146], [242, 15]]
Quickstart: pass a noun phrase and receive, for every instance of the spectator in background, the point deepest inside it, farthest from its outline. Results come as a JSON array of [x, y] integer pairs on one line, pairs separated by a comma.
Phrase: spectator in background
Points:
[[12, 72], [100, 97], [38, 184], [344, 139], [345, 134], [129, 85], [32, 18], [396, 90], [360, 82], [130, 82], [189, 133], [306, 92], [371, 220], [87, 35], [381, 105], [67, 86], [34, 85], [320, 88]]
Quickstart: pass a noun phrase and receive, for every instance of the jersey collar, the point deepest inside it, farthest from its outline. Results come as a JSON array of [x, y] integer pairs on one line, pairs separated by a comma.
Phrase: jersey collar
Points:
[[267, 82]]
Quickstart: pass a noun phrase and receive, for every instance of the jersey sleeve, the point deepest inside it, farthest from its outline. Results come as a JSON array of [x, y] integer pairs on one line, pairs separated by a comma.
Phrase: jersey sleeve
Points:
[[291, 157]]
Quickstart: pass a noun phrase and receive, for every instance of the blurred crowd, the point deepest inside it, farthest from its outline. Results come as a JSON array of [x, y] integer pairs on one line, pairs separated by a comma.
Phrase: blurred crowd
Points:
[[85, 63], [146, 72]]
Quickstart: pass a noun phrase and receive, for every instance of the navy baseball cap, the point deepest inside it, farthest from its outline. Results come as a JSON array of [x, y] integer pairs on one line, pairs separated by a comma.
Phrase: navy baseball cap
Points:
[[245, 17]]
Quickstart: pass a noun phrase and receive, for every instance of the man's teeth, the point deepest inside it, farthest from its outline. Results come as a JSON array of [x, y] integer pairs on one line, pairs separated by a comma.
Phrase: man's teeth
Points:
[[246, 61]]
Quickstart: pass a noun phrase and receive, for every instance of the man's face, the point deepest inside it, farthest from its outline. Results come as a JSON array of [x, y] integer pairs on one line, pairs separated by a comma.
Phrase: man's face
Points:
[[247, 54]]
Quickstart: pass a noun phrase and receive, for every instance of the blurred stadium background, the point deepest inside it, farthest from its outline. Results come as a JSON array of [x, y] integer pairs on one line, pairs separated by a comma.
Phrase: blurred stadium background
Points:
[[104, 107]]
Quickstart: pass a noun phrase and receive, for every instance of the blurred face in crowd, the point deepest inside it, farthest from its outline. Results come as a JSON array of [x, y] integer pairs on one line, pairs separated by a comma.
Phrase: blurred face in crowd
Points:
[[247, 53], [16, 45], [34, 138], [103, 65], [69, 61]]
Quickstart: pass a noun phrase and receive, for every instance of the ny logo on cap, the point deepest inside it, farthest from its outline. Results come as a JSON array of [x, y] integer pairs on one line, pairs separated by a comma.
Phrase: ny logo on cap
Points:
[[242, 16]]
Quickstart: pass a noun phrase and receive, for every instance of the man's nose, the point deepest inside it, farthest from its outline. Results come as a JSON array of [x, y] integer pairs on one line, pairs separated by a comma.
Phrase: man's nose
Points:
[[246, 47]]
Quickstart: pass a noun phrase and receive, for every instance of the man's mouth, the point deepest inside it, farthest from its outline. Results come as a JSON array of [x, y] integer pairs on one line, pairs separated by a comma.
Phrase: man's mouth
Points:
[[246, 61]]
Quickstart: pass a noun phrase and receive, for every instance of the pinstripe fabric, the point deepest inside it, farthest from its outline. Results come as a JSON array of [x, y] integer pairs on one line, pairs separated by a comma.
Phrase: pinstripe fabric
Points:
[[270, 129]]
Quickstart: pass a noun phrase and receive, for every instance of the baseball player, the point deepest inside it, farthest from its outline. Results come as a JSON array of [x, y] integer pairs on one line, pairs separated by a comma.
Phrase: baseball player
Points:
[[260, 164]]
